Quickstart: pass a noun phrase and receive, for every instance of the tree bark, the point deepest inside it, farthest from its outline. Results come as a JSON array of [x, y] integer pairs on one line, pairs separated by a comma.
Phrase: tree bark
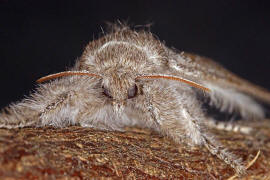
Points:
[[84, 153]]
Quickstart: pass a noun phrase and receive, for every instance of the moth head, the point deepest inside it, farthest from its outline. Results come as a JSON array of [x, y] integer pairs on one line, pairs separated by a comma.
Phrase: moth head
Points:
[[119, 88]]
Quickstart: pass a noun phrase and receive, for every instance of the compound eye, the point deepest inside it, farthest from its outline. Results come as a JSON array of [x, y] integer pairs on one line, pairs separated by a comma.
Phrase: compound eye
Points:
[[106, 92], [132, 92]]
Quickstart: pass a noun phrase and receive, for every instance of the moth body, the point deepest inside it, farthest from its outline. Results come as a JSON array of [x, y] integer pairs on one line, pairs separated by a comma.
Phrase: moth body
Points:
[[129, 78]]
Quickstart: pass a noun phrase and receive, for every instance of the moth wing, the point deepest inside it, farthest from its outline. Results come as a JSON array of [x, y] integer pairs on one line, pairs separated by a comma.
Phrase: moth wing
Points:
[[229, 93], [211, 73]]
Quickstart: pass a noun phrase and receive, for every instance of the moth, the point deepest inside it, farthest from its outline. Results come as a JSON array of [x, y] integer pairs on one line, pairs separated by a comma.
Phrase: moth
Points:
[[129, 78]]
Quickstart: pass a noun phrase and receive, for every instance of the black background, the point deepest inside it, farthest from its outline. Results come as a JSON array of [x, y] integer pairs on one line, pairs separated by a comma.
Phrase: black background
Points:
[[40, 37]]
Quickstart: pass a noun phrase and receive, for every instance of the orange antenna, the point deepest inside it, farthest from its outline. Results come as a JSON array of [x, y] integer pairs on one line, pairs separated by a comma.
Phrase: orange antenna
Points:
[[189, 82], [66, 73]]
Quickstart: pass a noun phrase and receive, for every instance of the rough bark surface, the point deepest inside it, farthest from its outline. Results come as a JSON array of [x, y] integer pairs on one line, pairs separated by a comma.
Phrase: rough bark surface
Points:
[[84, 153]]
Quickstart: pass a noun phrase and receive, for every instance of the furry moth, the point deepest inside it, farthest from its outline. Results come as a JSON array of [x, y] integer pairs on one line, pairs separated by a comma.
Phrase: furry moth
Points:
[[129, 78]]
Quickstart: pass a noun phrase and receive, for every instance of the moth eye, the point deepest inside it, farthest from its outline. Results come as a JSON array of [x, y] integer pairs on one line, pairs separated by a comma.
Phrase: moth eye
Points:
[[132, 92], [106, 92]]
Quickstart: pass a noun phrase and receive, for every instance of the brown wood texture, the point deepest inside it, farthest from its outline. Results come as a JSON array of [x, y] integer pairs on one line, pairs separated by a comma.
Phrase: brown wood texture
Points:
[[84, 153]]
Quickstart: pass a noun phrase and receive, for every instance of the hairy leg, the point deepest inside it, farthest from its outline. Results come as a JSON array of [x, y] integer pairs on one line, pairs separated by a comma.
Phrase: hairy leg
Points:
[[57, 103], [179, 116]]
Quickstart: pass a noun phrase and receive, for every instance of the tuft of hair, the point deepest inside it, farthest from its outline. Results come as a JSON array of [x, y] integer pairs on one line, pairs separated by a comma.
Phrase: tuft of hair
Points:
[[232, 101], [118, 25]]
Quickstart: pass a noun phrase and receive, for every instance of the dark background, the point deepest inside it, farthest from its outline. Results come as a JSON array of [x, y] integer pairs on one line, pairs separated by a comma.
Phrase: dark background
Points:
[[40, 37]]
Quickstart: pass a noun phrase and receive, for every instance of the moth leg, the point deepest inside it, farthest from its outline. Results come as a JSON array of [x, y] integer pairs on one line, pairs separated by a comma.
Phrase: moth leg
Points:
[[180, 117], [61, 111], [213, 146], [228, 126], [17, 116], [36, 111], [56, 103]]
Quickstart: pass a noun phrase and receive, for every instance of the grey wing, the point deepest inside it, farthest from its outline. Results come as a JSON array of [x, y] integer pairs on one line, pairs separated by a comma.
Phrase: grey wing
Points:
[[229, 93]]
